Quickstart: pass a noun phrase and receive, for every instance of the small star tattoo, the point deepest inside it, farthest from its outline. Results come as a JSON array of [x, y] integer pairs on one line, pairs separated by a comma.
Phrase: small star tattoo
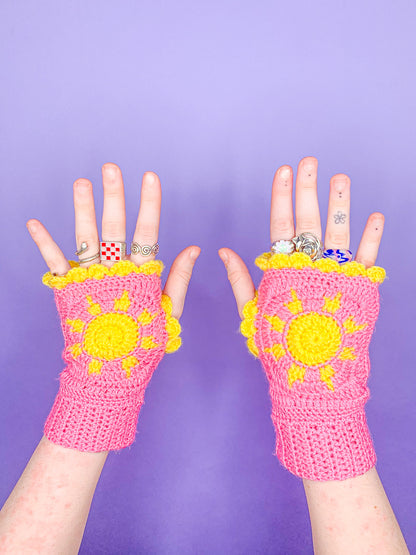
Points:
[[340, 217]]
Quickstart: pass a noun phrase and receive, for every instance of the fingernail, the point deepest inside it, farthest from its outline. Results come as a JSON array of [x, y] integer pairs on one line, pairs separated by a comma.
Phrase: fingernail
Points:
[[82, 187], [193, 255], [339, 184], [31, 227], [224, 257], [149, 178], [110, 170], [284, 173], [309, 167]]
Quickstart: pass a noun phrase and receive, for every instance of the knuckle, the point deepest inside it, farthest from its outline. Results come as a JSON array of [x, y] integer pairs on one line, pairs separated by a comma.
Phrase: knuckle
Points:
[[112, 230], [367, 261], [282, 225], [337, 238], [147, 231], [183, 275], [308, 224], [234, 277]]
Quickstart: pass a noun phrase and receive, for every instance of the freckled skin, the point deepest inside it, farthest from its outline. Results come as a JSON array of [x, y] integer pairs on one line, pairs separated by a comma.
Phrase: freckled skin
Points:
[[345, 518], [48, 508]]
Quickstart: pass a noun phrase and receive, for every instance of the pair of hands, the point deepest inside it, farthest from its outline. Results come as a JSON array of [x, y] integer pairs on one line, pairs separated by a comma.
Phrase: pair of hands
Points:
[[282, 226]]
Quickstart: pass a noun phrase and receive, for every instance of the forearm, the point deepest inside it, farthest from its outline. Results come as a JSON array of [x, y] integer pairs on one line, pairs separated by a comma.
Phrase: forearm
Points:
[[353, 516], [48, 508]]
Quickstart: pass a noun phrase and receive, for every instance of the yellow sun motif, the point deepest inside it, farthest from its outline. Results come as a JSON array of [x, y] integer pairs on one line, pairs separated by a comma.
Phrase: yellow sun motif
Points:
[[313, 339], [111, 336]]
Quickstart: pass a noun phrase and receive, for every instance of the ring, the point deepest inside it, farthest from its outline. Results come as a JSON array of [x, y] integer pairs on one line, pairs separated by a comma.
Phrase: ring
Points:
[[339, 255], [283, 246], [112, 250], [310, 244], [144, 250], [82, 248], [89, 258]]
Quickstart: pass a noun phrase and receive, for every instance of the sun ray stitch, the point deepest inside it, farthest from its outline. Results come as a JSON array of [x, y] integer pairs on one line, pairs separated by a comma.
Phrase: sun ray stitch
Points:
[[117, 326], [312, 337]]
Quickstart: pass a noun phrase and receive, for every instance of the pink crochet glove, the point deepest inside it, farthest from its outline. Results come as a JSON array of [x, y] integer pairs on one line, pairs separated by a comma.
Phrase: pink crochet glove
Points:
[[117, 326], [311, 324]]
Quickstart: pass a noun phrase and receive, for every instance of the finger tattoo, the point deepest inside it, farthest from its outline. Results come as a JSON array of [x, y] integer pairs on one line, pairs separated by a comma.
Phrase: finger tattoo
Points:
[[340, 217]]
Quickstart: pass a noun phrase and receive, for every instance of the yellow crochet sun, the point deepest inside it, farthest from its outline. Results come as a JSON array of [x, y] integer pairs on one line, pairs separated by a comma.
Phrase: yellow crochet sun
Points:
[[312, 339], [112, 335]]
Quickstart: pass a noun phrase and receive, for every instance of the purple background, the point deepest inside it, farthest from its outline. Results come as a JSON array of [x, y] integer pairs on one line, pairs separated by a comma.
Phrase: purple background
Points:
[[213, 96]]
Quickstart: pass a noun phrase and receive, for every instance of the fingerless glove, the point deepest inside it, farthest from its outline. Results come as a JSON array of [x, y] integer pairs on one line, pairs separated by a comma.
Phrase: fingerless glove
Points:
[[311, 324], [117, 325]]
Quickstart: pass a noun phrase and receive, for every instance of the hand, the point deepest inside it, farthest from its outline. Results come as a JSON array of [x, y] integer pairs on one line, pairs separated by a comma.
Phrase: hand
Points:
[[114, 228], [337, 233]]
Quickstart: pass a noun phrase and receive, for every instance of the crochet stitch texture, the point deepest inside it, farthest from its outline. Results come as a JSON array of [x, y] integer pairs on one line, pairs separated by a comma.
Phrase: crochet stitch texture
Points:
[[117, 325], [310, 324]]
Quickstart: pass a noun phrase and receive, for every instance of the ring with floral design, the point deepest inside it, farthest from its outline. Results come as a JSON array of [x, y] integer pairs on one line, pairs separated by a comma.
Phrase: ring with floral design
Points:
[[310, 244], [283, 247]]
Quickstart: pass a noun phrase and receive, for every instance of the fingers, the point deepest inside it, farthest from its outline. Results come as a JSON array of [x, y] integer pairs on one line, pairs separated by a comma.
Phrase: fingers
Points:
[[281, 213], [307, 207], [179, 276], [147, 227], [370, 240], [114, 211], [337, 234], [52, 254], [85, 223], [239, 278]]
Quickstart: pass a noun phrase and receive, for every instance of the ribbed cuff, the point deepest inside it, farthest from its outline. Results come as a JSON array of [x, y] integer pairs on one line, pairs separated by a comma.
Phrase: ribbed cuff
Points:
[[93, 426], [336, 449]]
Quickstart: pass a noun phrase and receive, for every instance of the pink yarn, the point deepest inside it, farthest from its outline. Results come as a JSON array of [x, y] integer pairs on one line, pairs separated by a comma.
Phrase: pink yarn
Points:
[[98, 411], [321, 433]]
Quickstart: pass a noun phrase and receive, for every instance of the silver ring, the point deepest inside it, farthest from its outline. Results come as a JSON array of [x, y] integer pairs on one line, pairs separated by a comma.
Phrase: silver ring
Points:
[[310, 244], [144, 250], [82, 248], [283, 247], [89, 258]]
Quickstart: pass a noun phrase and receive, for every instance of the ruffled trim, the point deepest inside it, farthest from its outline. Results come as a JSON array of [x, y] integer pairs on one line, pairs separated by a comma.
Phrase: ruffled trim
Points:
[[247, 326], [173, 326], [299, 260], [97, 271]]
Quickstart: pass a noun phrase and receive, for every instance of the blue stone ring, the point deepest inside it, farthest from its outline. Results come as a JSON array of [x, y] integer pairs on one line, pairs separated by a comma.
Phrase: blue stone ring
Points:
[[339, 255]]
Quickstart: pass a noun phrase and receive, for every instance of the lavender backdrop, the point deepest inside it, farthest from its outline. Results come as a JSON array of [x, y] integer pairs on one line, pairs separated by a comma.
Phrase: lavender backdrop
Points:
[[213, 96]]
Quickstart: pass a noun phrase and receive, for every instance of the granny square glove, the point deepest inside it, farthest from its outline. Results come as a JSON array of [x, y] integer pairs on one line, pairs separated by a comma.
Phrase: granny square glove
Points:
[[117, 325], [311, 324]]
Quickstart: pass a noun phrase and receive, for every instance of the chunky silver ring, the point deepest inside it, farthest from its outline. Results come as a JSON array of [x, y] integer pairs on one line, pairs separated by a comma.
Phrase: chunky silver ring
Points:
[[339, 255], [310, 244], [144, 250], [283, 247], [89, 258], [112, 250]]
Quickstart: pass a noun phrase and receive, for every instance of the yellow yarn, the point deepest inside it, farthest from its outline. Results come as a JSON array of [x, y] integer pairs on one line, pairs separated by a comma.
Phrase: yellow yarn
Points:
[[299, 260], [110, 336], [97, 271], [312, 339]]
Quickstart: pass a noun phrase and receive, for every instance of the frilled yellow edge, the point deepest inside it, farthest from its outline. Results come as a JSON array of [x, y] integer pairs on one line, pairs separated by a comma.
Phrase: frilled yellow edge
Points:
[[299, 260], [123, 268], [247, 327], [97, 271], [173, 326], [268, 261]]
